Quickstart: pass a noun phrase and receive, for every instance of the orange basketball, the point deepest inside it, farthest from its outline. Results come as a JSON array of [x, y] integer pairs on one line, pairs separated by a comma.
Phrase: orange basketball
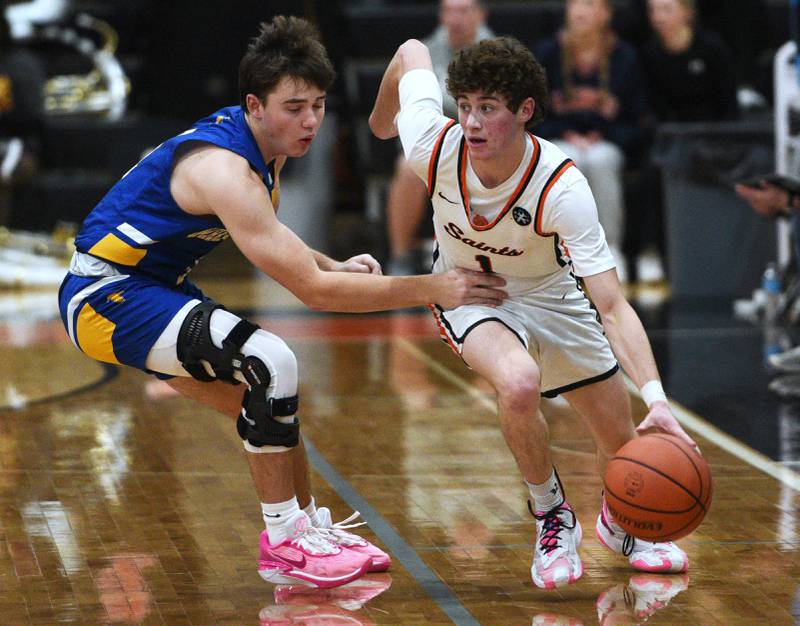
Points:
[[658, 488]]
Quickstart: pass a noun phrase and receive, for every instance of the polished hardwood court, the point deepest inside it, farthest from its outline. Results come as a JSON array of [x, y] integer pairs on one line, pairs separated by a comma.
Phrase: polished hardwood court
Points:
[[121, 503]]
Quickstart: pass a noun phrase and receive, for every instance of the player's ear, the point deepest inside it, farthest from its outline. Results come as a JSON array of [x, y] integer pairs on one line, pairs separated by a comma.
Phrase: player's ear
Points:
[[254, 106], [526, 109]]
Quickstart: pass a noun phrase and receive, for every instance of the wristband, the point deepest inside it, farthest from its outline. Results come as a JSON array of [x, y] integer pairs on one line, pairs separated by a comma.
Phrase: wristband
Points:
[[652, 391]]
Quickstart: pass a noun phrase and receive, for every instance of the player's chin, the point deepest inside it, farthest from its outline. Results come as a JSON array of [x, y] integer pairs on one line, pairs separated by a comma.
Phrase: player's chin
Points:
[[301, 147], [479, 150]]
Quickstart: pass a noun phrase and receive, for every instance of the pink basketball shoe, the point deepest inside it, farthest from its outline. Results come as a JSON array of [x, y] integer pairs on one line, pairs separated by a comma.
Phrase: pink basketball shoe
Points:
[[309, 557], [646, 556], [555, 558], [379, 560]]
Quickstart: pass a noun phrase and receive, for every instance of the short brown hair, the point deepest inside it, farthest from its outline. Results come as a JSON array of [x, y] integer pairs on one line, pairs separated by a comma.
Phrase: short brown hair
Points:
[[285, 46], [502, 65]]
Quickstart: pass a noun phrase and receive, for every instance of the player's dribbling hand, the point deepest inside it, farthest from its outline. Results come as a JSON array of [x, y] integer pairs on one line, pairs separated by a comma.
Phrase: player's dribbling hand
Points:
[[361, 263], [461, 286], [661, 418]]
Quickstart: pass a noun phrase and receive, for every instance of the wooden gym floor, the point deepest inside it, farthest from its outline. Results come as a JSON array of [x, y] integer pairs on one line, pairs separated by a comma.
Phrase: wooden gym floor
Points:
[[121, 505]]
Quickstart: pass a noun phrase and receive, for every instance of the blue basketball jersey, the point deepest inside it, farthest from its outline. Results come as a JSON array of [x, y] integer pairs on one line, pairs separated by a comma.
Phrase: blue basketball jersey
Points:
[[138, 227], [149, 244]]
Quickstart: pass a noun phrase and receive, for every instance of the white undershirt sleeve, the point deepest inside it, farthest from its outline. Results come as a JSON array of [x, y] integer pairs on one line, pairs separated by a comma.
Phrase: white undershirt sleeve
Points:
[[420, 118], [571, 212]]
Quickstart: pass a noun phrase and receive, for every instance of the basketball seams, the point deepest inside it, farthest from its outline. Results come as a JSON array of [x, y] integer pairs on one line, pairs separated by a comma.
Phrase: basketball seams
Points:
[[650, 475], [647, 509], [672, 442], [662, 474]]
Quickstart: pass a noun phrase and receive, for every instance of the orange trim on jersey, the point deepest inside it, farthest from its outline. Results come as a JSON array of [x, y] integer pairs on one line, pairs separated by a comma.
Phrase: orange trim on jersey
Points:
[[434, 161], [537, 223], [442, 330], [512, 200]]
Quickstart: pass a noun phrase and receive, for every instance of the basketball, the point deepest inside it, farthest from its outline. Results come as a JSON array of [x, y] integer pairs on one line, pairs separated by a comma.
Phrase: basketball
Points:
[[658, 488]]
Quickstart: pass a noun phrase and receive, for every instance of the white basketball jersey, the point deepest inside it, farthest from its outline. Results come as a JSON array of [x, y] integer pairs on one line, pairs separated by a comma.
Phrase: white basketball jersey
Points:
[[513, 243]]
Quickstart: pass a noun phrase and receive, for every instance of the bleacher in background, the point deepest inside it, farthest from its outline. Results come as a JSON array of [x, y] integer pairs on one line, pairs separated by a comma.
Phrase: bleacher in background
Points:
[[83, 155]]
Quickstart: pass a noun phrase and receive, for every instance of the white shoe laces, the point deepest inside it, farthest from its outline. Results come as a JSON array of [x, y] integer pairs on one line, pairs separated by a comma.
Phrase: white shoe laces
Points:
[[315, 541], [338, 531]]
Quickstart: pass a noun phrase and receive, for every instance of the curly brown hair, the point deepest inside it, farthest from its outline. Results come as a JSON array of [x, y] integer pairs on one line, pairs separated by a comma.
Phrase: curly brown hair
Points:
[[504, 66], [285, 46]]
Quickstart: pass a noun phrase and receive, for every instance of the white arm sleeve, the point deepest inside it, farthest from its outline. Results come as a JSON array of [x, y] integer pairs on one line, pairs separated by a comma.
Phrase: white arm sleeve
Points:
[[420, 118], [570, 211]]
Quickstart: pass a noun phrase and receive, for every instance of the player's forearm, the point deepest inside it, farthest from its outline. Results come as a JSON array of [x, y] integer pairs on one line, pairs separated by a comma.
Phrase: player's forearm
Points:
[[387, 102], [411, 55], [346, 292], [630, 344], [324, 262]]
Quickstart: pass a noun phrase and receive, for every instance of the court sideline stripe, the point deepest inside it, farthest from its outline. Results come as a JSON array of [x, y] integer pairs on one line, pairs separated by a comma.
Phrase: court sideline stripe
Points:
[[438, 591], [733, 446], [687, 418]]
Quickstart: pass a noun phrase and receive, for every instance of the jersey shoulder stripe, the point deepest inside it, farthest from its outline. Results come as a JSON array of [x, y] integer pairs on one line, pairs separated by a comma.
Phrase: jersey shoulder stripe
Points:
[[557, 172], [433, 164]]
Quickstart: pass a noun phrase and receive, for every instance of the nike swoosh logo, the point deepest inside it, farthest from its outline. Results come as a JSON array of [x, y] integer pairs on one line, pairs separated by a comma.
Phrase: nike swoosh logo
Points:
[[301, 563], [442, 196], [271, 515]]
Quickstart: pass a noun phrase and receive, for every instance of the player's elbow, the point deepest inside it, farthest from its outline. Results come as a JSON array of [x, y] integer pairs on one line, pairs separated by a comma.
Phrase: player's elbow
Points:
[[411, 47], [315, 294], [382, 129]]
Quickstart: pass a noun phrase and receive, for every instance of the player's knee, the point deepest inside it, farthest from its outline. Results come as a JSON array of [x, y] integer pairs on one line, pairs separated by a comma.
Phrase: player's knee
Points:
[[268, 422], [278, 358], [519, 390]]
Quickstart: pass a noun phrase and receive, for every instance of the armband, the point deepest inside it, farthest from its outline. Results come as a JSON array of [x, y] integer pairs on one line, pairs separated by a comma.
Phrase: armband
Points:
[[652, 391]]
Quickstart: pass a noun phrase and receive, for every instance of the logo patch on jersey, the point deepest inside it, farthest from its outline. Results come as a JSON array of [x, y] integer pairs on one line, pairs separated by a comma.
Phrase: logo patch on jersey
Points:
[[521, 216], [210, 234], [115, 297], [456, 233]]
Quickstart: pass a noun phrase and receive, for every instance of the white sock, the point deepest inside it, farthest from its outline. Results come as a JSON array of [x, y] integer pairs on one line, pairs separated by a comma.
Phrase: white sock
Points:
[[547, 495], [610, 520], [275, 516], [311, 511]]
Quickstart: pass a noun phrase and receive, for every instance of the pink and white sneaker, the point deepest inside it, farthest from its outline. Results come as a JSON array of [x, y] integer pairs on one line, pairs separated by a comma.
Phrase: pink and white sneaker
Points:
[[555, 559], [645, 556], [308, 557], [337, 533]]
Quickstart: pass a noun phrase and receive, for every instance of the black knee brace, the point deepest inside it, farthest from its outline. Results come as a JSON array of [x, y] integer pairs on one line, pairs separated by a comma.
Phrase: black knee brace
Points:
[[195, 345], [258, 424]]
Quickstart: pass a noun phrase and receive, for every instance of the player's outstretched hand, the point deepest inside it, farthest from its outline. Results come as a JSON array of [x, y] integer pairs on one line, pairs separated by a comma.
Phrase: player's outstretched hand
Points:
[[361, 263], [661, 418], [461, 286]]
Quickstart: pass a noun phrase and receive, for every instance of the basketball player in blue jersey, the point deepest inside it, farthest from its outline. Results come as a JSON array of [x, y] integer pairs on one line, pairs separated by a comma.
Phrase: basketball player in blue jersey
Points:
[[126, 298], [514, 205]]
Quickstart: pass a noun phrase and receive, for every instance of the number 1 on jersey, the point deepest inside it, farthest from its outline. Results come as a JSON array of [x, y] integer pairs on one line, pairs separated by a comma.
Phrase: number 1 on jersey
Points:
[[485, 262]]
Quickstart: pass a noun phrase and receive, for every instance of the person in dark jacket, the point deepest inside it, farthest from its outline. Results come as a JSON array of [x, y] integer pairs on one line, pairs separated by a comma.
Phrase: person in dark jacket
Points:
[[598, 106]]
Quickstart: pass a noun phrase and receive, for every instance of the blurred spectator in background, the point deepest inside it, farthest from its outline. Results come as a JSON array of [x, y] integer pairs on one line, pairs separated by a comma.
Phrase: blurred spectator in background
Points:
[[689, 71], [772, 201], [598, 107], [22, 79], [690, 77], [461, 22]]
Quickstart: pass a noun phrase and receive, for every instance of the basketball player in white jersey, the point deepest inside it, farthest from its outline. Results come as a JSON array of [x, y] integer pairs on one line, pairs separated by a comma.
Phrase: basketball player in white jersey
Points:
[[508, 202]]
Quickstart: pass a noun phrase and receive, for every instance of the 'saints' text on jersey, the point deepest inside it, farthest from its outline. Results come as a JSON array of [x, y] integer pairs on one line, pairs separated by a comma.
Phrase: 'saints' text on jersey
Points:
[[455, 232]]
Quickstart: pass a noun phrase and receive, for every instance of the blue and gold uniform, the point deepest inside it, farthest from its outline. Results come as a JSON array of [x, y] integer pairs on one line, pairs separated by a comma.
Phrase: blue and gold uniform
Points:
[[136, 247]]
